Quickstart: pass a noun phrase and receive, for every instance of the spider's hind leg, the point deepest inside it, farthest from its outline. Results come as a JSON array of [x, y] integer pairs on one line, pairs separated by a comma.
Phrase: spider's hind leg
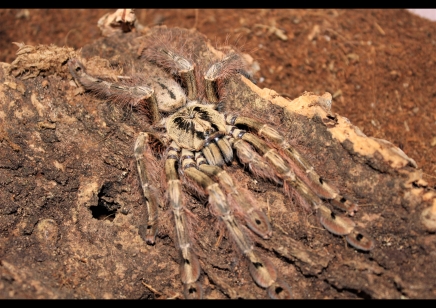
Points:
[[262, 271], [336, 224], [144, 162], [239, 199]]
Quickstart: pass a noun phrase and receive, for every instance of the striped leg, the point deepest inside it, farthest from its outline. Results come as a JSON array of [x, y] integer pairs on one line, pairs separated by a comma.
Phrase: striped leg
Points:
[[336, 224], [318, 184], [280, 166], [239, 199], [144, 157], [189, 267], [263, 272], [164, 51], [115, 92]]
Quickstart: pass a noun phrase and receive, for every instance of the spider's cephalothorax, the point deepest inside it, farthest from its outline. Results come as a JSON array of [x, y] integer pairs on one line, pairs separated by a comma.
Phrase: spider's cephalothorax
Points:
[[195, 126], [200, 142]]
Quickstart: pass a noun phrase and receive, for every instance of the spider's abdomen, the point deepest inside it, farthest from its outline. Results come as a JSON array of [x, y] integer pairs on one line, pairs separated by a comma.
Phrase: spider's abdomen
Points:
[[191, 126]]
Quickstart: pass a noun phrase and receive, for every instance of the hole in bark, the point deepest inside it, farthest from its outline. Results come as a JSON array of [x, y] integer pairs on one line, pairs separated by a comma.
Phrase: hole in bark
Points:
[[100, 212], [106, 208]]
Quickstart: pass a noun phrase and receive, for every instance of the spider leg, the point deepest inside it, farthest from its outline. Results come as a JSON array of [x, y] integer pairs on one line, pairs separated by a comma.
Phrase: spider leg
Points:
[[318, 184], [263, 272], [189, 267], [217, 150], [143, 155], [254, 218], [256, 163], [213, 154], [173, 60], [282, 169], [115, 92], [185, 70], [336, 224], [218, 72]]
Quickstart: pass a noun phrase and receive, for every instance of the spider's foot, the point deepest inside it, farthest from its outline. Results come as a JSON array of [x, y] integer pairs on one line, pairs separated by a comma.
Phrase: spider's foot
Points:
[[279, 290], [193, 291], [340, 225], [344, 204], [360, 240]]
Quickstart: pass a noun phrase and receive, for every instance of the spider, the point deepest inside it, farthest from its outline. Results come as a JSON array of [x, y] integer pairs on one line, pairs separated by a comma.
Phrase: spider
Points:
[[195, 138]]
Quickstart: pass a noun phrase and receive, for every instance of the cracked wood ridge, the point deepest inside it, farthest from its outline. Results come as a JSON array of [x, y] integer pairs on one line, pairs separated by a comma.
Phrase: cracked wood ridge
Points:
[[72, 207]]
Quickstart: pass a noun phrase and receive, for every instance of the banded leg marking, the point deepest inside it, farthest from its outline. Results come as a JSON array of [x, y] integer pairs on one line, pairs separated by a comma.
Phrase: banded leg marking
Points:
[[217, 149], [220, 70], [280, 166], [115, 92], [189, 266], [336, 224], [142, 152], [263, 273], [254, 218], [322, 188]]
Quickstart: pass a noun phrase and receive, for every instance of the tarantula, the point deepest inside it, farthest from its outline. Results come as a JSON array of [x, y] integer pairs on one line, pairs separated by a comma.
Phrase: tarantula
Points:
[[195, 135]]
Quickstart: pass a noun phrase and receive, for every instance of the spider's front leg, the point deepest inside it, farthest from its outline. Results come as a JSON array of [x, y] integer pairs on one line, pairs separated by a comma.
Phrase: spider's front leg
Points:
[[163, 50], [189, 267], [116, 92], [218, 72]]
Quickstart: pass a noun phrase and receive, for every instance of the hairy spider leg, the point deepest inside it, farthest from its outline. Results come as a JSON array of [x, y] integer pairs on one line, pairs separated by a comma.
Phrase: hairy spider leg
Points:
[[280, 166], [263, 272], [359, 240], [189, 267], [142, 154], [336, 224], [257, 165], [115, 92], [239, 199], [318, 184], [173, 60], [219, 71], [185, 69]]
